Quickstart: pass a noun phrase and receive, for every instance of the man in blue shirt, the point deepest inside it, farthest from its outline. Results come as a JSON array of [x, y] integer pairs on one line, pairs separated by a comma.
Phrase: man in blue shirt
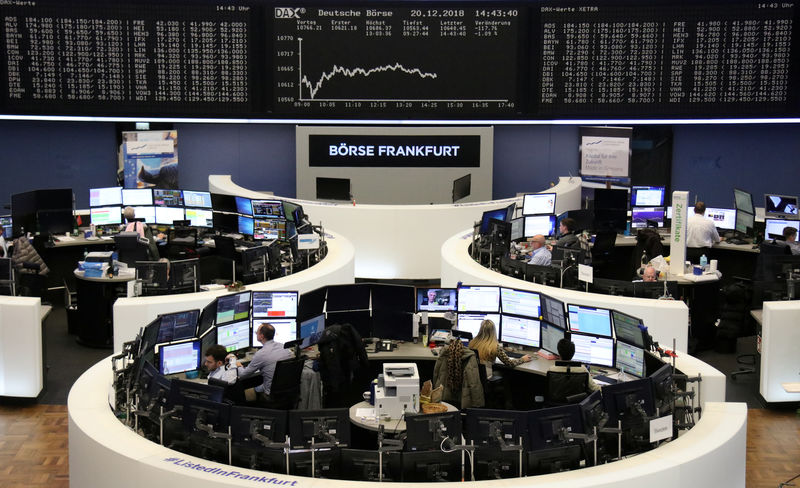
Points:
[[265, 358], [540, 254]]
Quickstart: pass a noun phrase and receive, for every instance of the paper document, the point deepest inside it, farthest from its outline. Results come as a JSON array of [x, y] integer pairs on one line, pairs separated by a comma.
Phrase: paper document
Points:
[[365, 413]]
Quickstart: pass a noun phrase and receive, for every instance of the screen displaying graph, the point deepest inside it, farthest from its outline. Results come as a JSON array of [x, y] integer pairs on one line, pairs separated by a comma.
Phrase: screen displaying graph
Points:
[[353, 60]]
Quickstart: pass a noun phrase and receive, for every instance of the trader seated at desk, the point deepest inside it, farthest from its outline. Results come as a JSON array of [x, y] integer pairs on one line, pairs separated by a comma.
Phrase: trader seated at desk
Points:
[[218, 366], [264, 359], [489, 349], [143, 230], [790, 236], [566, 349], [540, 254], [649, 275], [700, 231], [566, 233]]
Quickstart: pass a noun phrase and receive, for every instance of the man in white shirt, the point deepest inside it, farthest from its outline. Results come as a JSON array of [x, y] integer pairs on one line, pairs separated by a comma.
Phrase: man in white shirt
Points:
[[215, 364], [540, 254], [700, 231], [790, 236], [265, 358]]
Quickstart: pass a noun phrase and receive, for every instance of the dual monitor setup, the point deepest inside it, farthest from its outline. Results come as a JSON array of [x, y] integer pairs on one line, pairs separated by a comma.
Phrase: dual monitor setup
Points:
[[538, 217]]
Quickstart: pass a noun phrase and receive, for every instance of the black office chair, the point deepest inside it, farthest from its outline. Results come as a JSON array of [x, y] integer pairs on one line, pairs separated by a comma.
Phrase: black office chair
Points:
[[564, 388], [285, 389], [226, 249], [181, 242], [235, 392], [131, 248]]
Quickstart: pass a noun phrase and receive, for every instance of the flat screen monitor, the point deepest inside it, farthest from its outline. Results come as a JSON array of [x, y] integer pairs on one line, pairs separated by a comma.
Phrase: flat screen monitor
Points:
[[312, 303], [311, 330], [105, 197], [471, 322], [589, 320], [489, 427], [245, 225], [517, 228], [626, 400], [201, 199], [780, 206], [324, 425], [233, 308], [269, 423], [427, 431], [269, 229], [147, 213], [608, 198], [745, 222], [499, 214], [550, 335], [546, 426], [267, 209], [168, 215], [540, 224], [333, 189], [462, 187], [647, 196], [223, 203], [776, 226], [397, 326], [207, 317], [285, 330], [363, 465], [743, 201], [641, 215], [424, 466], [274, 304], [225, 222], [234, 336], [106, 215], [393, 298], [348, 297], [522, 331], [630, 359], [479, 299], [179, 358], [167, 198], [520, 302], [177, 326], [436, 300], [592, 349], [724, 218], [244, 206], [361, 320], [628, 328], [539, 204], [137, 196], [6, 224], [553, 311], [200, 217]]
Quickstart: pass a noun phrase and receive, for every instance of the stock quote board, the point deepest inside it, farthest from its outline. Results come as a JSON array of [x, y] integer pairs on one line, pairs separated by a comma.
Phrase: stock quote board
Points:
[[550, 59]]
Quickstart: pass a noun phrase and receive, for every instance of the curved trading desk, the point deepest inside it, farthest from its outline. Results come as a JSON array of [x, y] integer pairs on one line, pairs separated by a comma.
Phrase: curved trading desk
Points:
[[336, 268], [399, 241], [103, 451]]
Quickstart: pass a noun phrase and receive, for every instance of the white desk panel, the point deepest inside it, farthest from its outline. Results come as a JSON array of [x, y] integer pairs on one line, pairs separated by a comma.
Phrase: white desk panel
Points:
[[21, 362], [780, 350], [400, 241]]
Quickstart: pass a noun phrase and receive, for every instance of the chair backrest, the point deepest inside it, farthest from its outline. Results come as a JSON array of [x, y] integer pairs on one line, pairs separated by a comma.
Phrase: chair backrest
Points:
[[604, 243], [285, 390], [131, 248], [566, 387], [6, 277], [225, 247]]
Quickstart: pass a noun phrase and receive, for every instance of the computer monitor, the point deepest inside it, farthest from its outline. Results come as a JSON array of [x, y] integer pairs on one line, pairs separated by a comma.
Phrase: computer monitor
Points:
[[630, 359], [285, 330], [327, 425], [662, 382], [269, 229], [208, 338], [311, 330], [225, 222], [479, 299], [539, 204], [393, 298], [361, 320], [591, 349], [348, 297], [179, 358], [105, 197], [207, 318], [153, 275], [647, 196], [132, 197], [436, 300], [642, 217], [177, 326], [398, 326], [499, 214], [774, 227], [168, 215], [553, 311], [517, 228], [106, 215], [200, 217], [223, 203], [546, 427], [489, 427], [148, 214], [427, 466], [521, 331], [364, 465], [249, 422], [167, 198], [780, 206], [267, 209], [589, 320], [201, 199], [540, 224], [193, 389], [471, 322], [744, 223], [426, 431], [6, 227], [274, 304], [333, 188], [625, 401], [628, 328], [244, 206], [520, 302], [462, 187], [234, 336], [312, 303], [610, 208], [233, 308], [245, 225], [743, 201], [54, 221], [723, 218]]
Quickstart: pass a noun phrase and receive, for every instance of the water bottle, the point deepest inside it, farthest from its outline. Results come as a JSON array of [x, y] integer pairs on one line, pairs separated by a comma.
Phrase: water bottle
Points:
[[703, 261]]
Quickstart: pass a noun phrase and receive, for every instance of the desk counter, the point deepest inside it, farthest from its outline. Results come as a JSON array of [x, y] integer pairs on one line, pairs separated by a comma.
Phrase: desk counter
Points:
[[21, 353]]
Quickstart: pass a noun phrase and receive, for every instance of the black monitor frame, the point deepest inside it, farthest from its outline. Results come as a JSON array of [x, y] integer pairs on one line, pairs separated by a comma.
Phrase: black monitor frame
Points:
[[427, 431], [546, 427], [258, 426], [620, 401], [426, 466], [328, 427], [462, 187], [490, 427], [333, 189], [362, 465]]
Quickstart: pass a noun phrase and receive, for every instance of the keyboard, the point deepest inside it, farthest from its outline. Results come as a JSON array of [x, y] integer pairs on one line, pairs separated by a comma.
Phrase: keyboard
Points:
[[514, 354]]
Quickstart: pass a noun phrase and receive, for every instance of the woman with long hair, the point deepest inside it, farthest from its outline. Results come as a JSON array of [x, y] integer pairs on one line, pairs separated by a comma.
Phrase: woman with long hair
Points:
[[490, 349]]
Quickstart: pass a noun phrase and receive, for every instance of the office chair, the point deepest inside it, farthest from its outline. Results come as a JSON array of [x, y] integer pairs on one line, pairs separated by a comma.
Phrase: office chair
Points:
[[181, 242], [226, 249], [7, 282], [235, 392], [131, 248], [568, 387], [285, 390]]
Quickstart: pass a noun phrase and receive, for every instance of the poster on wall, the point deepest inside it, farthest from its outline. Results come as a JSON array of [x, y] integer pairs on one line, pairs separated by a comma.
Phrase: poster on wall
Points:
[[605, 153], [150, 159]]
